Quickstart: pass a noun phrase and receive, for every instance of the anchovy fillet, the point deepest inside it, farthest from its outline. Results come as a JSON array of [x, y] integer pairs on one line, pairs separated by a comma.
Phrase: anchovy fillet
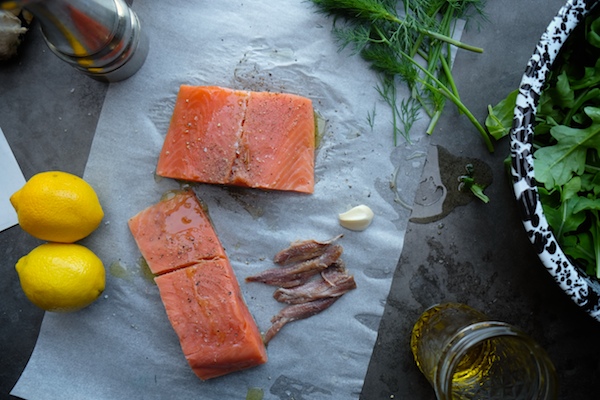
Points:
[[302, 251], [336, 281], [295, 312], [310, 277], [296, 274]]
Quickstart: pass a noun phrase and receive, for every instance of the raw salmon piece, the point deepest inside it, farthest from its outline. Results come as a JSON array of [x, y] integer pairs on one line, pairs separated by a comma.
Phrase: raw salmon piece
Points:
[[205, 306], [203, 135], [277, 143], [198, 287], [175, 233], [233, 137]]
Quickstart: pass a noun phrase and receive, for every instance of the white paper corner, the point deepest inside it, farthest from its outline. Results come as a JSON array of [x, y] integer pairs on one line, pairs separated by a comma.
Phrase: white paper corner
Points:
[[11, 180]]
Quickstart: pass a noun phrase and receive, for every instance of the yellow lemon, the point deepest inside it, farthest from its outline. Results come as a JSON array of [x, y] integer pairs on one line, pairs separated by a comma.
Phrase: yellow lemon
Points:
[[57, 207], [61, 276]]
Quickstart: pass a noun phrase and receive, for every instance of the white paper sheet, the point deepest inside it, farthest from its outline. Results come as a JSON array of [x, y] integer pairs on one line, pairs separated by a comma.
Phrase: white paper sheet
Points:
[[123, 347], [11, 180]]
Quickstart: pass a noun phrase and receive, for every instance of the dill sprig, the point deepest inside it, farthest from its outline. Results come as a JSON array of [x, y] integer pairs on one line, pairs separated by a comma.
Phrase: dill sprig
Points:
[[375, 11], [408, 41]]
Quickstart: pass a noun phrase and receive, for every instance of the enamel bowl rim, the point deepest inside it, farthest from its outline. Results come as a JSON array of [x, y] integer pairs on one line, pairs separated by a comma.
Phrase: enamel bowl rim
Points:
[[580, 287]]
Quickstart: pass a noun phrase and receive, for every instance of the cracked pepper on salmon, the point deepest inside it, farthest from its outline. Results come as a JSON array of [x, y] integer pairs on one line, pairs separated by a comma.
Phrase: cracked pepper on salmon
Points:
[[198, 287], [244, 138]]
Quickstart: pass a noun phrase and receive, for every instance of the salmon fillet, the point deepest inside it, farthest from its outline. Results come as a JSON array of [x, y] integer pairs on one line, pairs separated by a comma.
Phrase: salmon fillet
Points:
[[198, 287], [216, 331], [203, 135], [175, 233], [232, 137]]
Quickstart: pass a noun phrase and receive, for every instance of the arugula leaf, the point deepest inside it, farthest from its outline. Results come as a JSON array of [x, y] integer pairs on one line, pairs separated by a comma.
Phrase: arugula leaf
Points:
[[595, 229], [580, 248], [590, 182], [571, 188], [564, 97], [477, 190], [555, 165], [593, 34], [586, 203], [591, 76], [467, 182], [500, 117], [564, 220], [567, 144]]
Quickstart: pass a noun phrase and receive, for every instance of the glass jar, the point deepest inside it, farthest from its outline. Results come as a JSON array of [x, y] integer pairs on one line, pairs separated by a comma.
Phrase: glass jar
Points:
[[464, 355]]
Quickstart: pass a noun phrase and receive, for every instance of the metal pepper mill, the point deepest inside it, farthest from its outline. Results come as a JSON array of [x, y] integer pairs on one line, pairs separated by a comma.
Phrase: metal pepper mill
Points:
[[101, 38]]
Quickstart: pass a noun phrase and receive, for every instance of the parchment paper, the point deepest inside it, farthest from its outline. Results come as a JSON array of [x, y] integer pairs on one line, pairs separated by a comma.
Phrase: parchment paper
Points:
[[123, 347], [11, 180]]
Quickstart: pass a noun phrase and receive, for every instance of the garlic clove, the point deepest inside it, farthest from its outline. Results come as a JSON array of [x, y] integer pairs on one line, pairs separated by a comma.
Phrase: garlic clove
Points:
[[357, 219], [11, 32]]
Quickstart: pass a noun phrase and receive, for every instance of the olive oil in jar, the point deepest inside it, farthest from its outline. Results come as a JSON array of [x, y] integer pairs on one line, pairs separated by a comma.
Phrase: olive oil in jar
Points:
[[464, 355]]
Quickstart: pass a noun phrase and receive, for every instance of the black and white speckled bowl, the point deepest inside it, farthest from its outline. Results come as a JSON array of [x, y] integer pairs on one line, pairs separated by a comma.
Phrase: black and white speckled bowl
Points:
[[584, 290]]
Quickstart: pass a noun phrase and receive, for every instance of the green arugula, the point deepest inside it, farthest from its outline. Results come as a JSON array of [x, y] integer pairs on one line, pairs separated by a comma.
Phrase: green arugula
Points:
[[467, 182], [567, 144], [501, 116], [408, 42]]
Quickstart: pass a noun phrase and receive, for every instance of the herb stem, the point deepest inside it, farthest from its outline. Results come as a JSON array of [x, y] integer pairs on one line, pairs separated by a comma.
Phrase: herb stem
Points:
[[592, 168], [453, 42], [448, 74], [441, 88], [433, 123]]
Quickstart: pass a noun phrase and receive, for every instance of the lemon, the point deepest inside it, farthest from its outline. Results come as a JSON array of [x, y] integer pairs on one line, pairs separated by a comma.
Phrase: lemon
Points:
[[57, 206], [61, 276]]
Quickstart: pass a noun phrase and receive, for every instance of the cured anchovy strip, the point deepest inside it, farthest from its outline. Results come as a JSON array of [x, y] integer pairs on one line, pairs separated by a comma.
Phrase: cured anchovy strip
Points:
[[296, 274], [302, 251], [295, 312], [310, 277], [336, 281]]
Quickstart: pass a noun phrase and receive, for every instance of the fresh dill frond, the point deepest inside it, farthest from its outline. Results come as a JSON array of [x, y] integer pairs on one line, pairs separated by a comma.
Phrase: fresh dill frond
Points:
[[408, 41], [370, 10], [468, 9], [384, 60], [375, 11], [357, 37], [409, 114], [405, 114], [371, 117], [387, 91]]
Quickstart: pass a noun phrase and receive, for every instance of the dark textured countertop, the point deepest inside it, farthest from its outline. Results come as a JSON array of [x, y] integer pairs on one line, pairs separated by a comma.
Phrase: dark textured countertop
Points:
[[477, 253]]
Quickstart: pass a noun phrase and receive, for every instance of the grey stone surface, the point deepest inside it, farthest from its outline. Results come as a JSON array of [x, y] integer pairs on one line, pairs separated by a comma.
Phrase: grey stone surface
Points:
[[478, 254], [48, 114]]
